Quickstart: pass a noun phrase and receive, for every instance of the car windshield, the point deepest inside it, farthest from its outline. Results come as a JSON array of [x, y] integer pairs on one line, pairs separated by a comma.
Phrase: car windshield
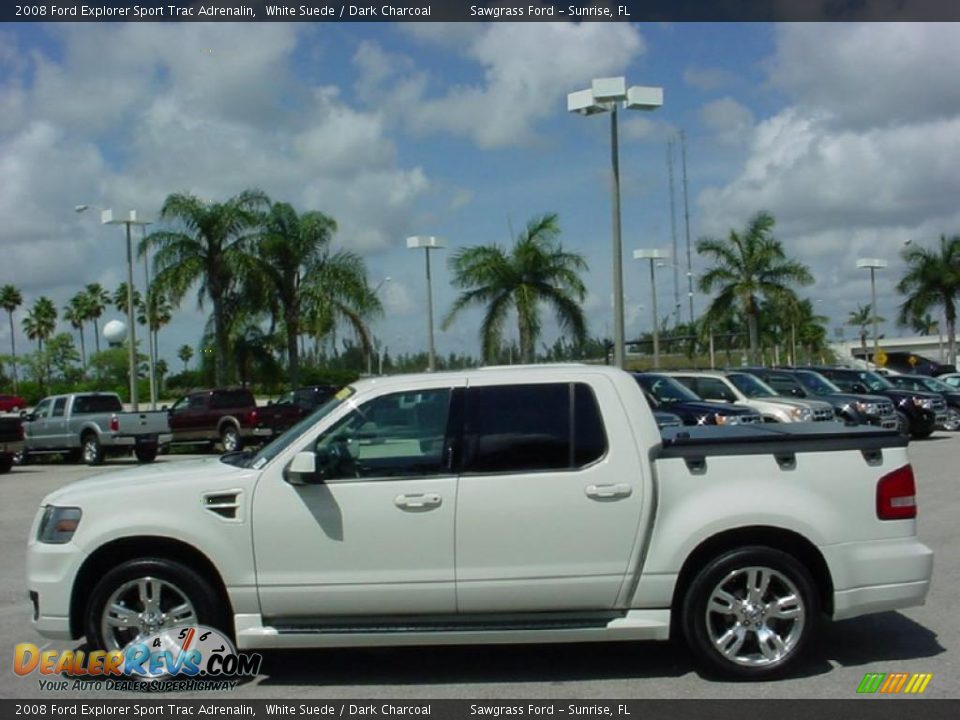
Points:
[[751, 386], [934, 385], [280, 443], [666, 390], [816, 383], [875, 382]]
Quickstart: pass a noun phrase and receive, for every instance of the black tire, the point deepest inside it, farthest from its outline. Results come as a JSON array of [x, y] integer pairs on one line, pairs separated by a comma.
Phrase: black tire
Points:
[[91, 449], [903, 424], [230, 439], [172, 576], [146, 453], [750, 619], [6, 463]]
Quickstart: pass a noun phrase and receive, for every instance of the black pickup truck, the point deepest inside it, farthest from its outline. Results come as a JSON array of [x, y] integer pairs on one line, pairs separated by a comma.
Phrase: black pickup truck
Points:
[[11, 441]]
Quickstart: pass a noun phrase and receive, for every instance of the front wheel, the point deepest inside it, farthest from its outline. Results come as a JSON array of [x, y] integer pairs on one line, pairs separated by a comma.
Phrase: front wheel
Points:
[[749, 613], [139, 598], [6, 463], [953, 420], [903, 424]]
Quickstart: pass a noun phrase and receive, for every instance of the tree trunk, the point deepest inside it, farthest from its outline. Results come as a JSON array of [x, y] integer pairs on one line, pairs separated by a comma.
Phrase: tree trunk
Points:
[[220, 338], [83, 349], [754, 334], [96, 334], [952, 340], [13, 352], [293, 356]]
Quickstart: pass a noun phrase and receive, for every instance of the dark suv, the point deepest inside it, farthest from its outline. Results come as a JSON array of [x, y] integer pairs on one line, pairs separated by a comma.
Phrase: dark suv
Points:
[[227, 416], [807, 384], [918, 412], [932, 384], [290, 407], [667, 395]]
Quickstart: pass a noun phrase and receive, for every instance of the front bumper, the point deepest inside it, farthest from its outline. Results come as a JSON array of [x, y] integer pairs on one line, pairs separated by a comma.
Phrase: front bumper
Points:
[[878, 575], [51, 570]]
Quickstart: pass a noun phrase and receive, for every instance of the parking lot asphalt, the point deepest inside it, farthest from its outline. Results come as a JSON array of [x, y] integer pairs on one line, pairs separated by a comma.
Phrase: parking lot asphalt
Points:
[[924, 639]]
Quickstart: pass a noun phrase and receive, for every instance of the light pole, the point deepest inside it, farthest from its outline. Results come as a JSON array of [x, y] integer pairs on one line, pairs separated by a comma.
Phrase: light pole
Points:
[[428, 243], [106, 218], [376, 290], [606, 95], [147, 297], [653, 256], [874, 264]]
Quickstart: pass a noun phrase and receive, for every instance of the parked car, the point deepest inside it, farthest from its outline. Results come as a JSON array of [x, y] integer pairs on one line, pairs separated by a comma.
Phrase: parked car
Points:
[[850, 407], [668, 395], [11, 442], [91, 426], [749, 391], [12, 403], [495, 505], [292, 406], [909, 362], [951, 379], [918, 412], [930, 384], [225, 415]]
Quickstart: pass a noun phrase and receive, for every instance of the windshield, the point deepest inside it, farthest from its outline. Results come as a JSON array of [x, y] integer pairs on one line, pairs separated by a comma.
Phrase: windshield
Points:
[[874, 381], [666, 390], [751, 386], [280, 443], [935, 385], [816, 383]]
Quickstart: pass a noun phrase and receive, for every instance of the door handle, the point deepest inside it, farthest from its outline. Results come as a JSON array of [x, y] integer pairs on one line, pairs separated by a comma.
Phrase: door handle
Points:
[[608, 492], [418, 501]]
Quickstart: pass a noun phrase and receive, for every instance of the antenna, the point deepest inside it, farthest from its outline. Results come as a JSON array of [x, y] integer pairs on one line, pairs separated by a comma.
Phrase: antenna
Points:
[[686, 219], [673, 234]]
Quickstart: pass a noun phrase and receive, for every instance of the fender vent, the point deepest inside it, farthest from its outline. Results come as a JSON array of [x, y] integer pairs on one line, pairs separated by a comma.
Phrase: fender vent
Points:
[[224, 504]]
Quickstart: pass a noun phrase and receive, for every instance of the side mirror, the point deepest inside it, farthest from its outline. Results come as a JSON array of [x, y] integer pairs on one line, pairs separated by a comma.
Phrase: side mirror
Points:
[[29, 417], [165, 407], [304, 469]]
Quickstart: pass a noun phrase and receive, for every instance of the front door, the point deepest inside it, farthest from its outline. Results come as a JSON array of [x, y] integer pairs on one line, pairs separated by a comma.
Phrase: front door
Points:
[[375, 538]]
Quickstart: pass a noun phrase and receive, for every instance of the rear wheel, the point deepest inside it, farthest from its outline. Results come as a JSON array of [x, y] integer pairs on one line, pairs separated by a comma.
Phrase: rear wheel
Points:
[[146, 454], [749, 613], [92, 450]]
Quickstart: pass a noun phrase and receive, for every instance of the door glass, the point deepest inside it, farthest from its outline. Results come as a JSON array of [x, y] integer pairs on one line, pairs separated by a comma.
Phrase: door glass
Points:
[[58, 407], [397, 435]]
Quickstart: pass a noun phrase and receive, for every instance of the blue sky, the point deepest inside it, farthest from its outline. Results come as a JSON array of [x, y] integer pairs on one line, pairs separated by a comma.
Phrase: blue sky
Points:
[[848, 134]]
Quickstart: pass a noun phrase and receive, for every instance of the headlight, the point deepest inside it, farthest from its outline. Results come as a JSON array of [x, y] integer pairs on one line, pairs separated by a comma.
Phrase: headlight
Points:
[[726, 419], [868, 408], [58, 524], [801, 414], [925, 403]]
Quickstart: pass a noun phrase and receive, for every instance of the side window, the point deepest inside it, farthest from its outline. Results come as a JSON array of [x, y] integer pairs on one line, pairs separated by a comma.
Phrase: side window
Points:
[[713, 389], [692, 384], [397, 435], [195, 402], [514, 428], [59, 405], [781, 385], [42, 411]]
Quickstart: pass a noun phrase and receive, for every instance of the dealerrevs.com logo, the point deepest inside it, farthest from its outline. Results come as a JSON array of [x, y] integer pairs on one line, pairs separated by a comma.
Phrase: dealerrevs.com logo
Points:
[[192, 657], [899, 683]]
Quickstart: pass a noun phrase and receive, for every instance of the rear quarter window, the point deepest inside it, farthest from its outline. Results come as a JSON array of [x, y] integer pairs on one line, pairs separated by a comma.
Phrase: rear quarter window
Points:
[[232, 399]]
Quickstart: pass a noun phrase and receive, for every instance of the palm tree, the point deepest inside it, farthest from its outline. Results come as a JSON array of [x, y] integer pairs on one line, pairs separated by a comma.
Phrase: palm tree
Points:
[[185, 353], [120, 301], [933, 280], [749, 265], [10, 300], [155, 313], [40, 323], [99, 299], [300, 279], [536, 270], [210, 249], [924, 324], [77, 312], [863, 318]]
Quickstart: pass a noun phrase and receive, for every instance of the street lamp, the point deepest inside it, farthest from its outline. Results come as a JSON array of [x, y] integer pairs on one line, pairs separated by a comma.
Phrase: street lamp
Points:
[[106, 218], [151, 337], [428, 243], [376, 290], [653, 256], [874, 264], [606, 95]]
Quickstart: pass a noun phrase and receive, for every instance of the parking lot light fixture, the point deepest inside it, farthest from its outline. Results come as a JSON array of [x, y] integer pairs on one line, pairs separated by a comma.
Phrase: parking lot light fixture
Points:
[[428, 243], [873, 264], [654, 256], [107, 218], [607, 95]]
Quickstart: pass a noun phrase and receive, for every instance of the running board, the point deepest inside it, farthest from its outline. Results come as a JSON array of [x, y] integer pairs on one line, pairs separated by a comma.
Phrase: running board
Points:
[[252, 633]]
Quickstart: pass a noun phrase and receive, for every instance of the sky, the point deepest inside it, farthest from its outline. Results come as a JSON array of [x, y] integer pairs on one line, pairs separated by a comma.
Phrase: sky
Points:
[[848, 134]]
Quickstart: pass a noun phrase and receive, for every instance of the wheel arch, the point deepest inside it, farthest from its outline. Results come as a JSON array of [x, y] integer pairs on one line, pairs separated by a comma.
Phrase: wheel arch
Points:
[[227, 420], [787, 541], [115, 552]]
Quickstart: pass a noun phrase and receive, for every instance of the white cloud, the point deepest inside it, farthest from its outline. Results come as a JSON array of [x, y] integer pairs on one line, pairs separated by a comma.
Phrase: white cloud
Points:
[[707, 78], [728, 120]]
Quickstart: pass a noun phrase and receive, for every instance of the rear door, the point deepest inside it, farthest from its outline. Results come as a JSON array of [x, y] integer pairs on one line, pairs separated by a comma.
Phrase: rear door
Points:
[[549, 498]]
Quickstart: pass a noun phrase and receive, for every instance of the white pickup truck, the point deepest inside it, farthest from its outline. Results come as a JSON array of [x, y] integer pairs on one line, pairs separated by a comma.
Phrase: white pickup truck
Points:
[[493, 506]]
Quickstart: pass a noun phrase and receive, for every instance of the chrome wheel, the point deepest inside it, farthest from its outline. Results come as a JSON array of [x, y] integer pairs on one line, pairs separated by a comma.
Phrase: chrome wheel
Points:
[[755, 617], [92, 453], [230, 439], [142, 607], [953, 420]]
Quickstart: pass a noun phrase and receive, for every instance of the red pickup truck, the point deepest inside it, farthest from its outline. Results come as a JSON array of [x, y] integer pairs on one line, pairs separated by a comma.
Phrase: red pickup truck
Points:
[[227, 416]]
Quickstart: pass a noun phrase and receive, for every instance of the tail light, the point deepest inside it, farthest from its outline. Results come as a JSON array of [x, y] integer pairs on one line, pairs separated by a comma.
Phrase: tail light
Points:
[[252, 418], [114, 424], [897, 495]]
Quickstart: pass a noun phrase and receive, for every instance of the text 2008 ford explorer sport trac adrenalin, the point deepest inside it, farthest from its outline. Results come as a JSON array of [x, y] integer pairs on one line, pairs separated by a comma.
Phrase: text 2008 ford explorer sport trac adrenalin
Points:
[[492, 506]]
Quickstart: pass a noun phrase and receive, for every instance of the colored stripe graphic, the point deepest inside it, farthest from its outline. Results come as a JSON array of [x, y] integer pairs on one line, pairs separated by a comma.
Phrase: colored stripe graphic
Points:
[[894, 683]]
